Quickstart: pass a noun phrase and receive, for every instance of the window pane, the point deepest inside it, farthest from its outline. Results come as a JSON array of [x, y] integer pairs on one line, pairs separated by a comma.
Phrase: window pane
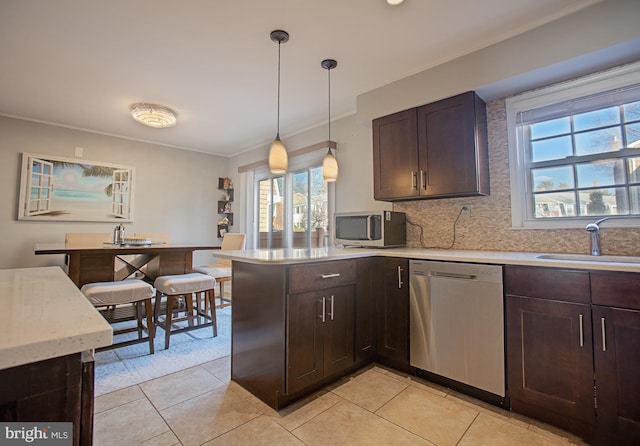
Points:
[[557, 204], [300, 209], [602, 173], [603, 202], [552, 178], [635, 199], [550, 128], [598, 141], [270, 212], [632, 111], [319, 209], [551, 149], [597, 118], [633, 135], [634, 170]]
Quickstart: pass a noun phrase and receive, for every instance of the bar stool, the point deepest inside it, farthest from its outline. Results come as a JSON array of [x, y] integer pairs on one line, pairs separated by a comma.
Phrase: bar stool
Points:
[[113, 295], [185, 285]]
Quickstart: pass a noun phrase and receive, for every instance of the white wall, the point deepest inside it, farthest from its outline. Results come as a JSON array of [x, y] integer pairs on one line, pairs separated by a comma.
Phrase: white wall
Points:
[[601, 36], [175, 190]]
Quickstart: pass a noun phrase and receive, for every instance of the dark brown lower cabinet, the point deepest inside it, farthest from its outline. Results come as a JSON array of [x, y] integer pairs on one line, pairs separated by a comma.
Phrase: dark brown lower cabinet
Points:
[[54, 390], [617, 368], [365, 326], [392, 312], [575, 363], [550, 360], [320, 336], [292, 327]]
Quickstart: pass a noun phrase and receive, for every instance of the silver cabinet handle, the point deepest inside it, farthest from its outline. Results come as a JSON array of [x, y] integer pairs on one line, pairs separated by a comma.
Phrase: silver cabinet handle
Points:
[[423, 179], [581, 332], [331, 307], [414, 180], [604, 336], [329, 276], [324, 309], [400, 282]]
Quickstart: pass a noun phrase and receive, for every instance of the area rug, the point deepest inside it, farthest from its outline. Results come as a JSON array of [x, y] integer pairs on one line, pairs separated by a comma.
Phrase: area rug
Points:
[[126, 366]]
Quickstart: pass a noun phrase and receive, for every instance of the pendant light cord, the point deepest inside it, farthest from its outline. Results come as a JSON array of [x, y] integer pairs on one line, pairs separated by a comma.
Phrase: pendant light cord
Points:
[[278, 124], [329, 94]]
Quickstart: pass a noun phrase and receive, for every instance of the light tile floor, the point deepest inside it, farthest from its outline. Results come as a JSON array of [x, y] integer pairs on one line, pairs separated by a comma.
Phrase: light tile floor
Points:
[[376, 406]]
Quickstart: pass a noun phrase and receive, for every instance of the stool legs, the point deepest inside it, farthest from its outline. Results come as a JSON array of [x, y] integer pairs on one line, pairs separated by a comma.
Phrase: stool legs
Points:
[[194, 312]]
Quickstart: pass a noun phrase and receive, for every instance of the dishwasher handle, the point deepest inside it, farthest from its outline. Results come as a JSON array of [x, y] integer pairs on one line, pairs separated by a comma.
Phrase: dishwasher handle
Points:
[[454, 276]]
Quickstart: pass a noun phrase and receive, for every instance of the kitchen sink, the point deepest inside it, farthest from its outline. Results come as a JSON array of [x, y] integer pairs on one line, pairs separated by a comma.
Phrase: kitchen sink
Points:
[[590, 258]]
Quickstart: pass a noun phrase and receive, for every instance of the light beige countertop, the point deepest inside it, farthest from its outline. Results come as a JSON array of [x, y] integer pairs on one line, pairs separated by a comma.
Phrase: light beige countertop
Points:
[[579, 261], [44, 315]]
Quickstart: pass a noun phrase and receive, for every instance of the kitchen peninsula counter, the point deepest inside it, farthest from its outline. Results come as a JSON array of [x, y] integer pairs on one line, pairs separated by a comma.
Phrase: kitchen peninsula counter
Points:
[[45, 316], [296, 256], [48, 331]]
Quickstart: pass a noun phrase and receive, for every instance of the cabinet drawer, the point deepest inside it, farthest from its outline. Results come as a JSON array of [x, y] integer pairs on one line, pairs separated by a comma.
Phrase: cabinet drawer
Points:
[[615, 289], [318, 276], [547, 283]]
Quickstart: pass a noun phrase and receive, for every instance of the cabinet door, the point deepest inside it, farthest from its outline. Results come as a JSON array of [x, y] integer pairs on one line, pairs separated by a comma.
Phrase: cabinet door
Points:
[[304, 340], [393, 311], [453, 153], [617, 368], [364, 310], [338, 329], [395, 156], [550, 359]]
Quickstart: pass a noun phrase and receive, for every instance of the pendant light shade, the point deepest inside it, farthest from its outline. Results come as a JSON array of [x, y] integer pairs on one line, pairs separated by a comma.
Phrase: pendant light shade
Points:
[[278, 158], [329, 163], [330, 167]]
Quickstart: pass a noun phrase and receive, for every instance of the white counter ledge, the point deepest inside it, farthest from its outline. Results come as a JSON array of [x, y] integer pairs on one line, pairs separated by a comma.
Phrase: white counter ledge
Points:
[[293, 256], [44, 315]]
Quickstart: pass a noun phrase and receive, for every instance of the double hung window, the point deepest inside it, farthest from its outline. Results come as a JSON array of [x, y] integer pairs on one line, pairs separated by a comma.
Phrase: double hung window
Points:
[[575, 151]]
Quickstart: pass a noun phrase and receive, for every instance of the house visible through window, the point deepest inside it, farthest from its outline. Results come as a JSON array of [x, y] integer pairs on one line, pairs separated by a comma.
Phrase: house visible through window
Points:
[[577, 151], [292, 210]]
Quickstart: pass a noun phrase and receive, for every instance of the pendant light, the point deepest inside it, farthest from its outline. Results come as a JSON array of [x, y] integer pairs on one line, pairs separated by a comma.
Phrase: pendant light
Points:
[[329, 163], [278, 159]]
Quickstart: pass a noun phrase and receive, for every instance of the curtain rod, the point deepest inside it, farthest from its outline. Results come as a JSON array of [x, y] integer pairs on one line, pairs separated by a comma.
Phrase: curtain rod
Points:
[[293, 153]]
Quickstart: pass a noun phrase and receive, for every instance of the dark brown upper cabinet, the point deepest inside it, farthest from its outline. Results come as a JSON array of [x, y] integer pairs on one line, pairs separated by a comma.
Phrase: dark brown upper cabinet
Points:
[[438, 150]]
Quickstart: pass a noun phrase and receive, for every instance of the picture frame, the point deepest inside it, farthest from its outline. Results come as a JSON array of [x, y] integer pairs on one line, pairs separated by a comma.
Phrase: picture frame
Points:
[[55, 188]]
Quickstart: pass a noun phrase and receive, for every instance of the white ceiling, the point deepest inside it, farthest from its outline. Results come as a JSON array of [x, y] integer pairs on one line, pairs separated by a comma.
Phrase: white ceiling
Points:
[[82, 63]]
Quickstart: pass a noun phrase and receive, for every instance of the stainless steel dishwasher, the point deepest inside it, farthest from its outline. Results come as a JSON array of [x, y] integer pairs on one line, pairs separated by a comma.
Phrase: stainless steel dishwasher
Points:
[[457, 322]]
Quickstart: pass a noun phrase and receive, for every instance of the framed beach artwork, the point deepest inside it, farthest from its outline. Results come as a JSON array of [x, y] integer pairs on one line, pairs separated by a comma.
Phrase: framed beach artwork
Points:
[[72, 189]]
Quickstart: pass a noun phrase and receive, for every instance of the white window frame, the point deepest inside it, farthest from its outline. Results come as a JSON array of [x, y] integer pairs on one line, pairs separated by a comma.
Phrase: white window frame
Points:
[[296, 164], [519, 177]]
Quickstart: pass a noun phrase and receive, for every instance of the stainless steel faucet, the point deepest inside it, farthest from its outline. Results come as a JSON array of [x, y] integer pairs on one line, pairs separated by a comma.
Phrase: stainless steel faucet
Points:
[[594, 229]]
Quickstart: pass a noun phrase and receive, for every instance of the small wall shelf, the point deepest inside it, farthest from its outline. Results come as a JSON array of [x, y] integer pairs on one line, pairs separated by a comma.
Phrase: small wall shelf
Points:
[[224, 206]]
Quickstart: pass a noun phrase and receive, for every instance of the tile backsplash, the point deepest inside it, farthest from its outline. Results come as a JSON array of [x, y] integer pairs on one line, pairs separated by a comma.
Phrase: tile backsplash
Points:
[[487, 223]]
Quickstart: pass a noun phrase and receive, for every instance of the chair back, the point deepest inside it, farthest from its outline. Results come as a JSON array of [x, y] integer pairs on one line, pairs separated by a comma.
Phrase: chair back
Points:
[[87, 238], [231, 242]]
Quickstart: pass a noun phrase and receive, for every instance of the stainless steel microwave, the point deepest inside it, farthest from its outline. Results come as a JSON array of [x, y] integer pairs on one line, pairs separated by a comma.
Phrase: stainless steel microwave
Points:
[[377, 229]]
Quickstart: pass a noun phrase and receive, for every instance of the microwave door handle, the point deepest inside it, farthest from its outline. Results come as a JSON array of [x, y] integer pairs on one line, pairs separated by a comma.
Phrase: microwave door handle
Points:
[[369, 227]]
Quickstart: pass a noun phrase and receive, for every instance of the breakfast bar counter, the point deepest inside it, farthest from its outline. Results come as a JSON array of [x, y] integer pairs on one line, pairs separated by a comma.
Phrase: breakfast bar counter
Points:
[[48, 331]]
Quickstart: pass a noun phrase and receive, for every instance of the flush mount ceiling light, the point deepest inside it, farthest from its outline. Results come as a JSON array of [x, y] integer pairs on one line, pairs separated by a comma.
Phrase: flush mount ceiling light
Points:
[[329, 163], [153, 115], [394, 2], [278, 158]]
